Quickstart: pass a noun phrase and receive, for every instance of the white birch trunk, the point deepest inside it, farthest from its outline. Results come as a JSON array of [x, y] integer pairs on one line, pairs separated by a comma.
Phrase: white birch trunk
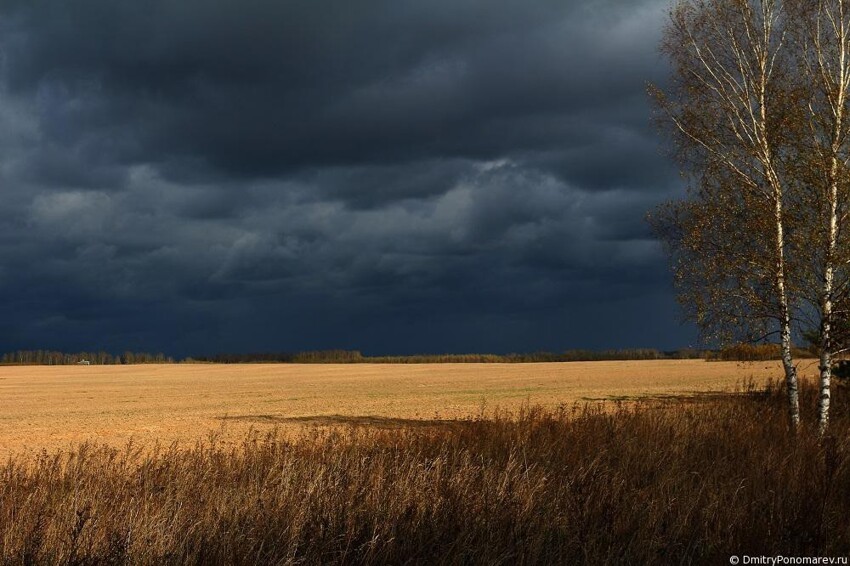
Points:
[[826, 346], [791, 385], [835, 76]]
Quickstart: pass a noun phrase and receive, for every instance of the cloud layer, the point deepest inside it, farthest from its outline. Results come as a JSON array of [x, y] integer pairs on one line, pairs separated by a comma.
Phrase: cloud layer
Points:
[[396, 177]]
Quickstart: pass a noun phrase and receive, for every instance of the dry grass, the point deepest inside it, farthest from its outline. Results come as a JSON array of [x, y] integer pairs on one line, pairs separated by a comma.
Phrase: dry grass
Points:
[[61, 406], [677, 484]]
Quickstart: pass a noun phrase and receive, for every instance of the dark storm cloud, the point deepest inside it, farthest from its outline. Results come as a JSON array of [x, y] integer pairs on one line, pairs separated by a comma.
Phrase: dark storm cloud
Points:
[[263, 87], [391, 176]]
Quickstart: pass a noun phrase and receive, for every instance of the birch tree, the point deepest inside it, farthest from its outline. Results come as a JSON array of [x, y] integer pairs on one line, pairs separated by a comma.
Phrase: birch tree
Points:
[[822, 57], [733, 116]]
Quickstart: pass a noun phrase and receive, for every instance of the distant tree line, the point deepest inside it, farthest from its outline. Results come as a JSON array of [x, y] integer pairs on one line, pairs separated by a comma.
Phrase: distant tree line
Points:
[[736, 352], [755, 353], [536, 357], [52, 358], [355, 356], [318, 357]]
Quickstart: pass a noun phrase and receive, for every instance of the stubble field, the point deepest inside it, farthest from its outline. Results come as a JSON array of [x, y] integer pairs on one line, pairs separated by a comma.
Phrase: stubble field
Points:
[[57, 407], [671, 482]]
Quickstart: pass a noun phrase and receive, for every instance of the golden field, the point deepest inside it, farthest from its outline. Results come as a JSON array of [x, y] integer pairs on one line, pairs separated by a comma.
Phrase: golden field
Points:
[[50, 407]]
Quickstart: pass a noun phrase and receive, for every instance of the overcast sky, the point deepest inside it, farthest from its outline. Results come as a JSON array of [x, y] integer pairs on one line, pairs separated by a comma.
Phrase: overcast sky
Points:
[[394, 176]]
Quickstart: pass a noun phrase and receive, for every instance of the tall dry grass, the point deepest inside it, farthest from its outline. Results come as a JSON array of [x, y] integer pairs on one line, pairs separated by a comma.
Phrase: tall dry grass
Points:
[[683, 483]]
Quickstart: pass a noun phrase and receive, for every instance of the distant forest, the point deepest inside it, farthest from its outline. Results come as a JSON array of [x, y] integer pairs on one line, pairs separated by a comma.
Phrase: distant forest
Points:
[[738, 352], [354, 357], [50, 358]]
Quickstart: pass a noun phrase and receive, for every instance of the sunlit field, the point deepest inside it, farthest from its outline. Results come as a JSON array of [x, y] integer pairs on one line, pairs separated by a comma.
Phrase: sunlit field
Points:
[[52, 407], [634, 483]]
